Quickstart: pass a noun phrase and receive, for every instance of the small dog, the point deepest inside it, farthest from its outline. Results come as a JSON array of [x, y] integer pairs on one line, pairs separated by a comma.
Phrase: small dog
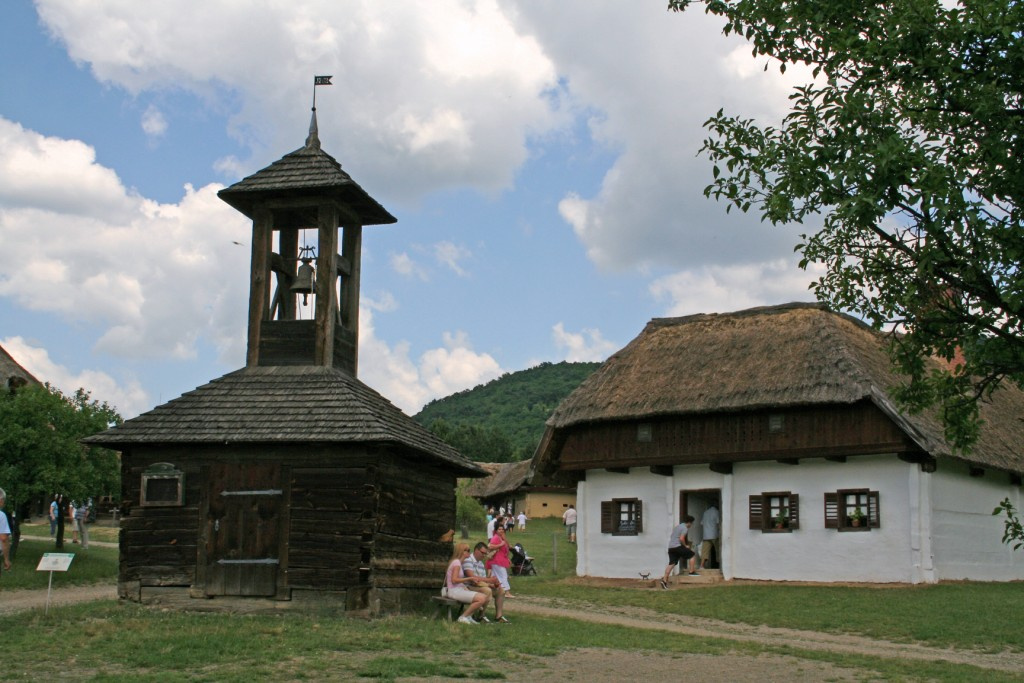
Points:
[[645, 576], [448, 537]]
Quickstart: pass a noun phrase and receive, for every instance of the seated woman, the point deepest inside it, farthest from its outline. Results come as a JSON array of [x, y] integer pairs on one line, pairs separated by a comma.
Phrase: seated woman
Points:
[[456, 586]]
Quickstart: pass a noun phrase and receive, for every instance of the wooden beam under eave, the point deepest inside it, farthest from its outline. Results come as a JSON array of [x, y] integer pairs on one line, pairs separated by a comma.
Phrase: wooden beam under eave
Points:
[[720, 467], [1015, 479], [788, 461], [976, 471], [927, 462], [836, 458], [617, 470], [663, 470]]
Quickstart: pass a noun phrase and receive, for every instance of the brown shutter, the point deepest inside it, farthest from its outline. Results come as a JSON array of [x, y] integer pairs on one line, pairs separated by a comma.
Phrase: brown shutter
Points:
[[607, 517], [831, 510], [794, 511], [874, 511], [756, 512], [639, 516]]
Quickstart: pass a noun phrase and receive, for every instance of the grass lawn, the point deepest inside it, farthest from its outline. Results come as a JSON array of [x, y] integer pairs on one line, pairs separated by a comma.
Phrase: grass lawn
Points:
[[108, 641]]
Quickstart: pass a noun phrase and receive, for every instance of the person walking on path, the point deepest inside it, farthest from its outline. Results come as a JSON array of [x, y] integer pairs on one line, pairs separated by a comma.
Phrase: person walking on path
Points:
[[679, 549], [569, 520]]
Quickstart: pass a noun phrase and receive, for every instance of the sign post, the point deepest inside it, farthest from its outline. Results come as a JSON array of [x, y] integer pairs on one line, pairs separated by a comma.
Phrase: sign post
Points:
[[53, 562]]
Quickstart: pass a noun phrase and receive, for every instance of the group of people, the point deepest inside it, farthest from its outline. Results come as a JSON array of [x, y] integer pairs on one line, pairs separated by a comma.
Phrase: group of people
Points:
[[64, 513], [680, 544], [478, 576]]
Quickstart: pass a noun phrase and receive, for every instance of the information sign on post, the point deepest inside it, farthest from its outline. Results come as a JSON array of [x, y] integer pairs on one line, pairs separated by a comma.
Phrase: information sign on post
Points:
[[53, 562]]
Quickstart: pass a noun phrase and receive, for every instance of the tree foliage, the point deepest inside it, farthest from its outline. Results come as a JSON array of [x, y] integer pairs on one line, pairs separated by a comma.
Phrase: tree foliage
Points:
[[40, 451], [907, 149], [1013, 532], [503, 420]]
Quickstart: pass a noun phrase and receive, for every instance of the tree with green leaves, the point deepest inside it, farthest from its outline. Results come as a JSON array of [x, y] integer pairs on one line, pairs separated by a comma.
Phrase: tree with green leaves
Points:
[[1013, 531], [905, 155], [40, 448]]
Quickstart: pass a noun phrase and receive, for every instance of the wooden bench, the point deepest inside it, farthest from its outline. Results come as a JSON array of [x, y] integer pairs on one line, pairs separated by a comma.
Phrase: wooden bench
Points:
[[443, 602]]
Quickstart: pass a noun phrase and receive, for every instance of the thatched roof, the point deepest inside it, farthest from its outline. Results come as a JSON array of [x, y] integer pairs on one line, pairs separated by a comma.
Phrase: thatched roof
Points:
[[772, 357], [306, 172], [12, 372], [507, 477], [283, 404]]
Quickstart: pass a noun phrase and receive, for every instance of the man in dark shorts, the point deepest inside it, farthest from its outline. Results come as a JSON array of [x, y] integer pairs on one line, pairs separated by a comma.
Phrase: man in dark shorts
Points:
[[679, 549]]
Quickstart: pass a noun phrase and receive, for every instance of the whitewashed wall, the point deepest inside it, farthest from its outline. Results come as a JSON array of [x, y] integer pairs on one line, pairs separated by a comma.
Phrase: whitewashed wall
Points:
[[967, 539]]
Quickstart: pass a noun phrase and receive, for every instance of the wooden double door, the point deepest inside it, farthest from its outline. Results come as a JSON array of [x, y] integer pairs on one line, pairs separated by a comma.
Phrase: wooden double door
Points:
[[244, 512]]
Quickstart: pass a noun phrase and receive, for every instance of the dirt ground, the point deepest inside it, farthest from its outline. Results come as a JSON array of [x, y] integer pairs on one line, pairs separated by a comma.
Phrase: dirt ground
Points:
[[600, 665]]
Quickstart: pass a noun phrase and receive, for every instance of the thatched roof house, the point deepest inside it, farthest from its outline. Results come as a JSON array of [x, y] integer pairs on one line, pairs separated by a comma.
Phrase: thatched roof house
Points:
[[536, 494], [727, 405]]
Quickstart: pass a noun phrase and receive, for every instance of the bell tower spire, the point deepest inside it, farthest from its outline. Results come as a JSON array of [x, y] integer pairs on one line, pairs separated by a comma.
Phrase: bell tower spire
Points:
[[305, 197]]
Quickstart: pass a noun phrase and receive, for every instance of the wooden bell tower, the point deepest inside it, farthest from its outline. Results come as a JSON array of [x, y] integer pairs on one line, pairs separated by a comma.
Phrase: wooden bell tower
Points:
[[305, 194]]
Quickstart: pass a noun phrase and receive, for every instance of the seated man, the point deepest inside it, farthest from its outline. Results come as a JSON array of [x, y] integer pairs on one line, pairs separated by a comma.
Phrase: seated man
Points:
[[474, 566]]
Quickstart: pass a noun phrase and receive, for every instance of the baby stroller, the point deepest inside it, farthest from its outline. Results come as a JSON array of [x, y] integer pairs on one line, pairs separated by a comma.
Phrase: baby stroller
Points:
[[522, 564]]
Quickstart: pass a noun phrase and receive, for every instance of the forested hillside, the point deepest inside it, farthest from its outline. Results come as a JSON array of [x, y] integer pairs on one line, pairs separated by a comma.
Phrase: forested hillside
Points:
[[503, 420]]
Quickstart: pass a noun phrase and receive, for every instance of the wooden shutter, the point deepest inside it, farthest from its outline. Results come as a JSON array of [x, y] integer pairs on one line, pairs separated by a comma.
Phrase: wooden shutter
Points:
[[832, 510], [608, 517], [794, 511], [639, 516], [757, 512], [874, 511]]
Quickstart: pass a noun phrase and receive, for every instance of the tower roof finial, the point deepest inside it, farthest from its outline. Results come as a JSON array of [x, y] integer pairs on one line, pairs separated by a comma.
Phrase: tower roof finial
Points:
[[314, 135]]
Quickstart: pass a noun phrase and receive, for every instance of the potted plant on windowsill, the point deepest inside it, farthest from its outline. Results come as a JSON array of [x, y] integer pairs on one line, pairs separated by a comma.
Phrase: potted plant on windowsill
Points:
[[857, 517], [781, 520]]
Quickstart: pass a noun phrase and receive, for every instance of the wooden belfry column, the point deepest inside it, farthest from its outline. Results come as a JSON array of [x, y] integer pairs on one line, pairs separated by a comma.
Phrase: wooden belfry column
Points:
[[305, 190]]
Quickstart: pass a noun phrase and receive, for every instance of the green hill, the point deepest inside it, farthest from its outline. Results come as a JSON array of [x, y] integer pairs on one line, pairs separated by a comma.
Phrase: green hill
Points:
[[503, 420]]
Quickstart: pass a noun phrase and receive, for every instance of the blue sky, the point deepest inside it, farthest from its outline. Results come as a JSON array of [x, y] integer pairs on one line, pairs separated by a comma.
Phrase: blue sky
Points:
[[541, 159]]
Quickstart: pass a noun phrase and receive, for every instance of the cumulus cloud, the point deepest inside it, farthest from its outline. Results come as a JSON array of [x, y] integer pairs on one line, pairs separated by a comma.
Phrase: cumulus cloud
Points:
[[437, 373], [732, 288], [586, 346], [450, 255], [128, 398], [157, 277], [154, 124], [425, 95]]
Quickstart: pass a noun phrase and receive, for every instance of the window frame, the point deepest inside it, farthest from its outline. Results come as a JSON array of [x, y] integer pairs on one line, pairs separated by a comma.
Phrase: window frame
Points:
[[840, 504], [617, 511], [764, 507]]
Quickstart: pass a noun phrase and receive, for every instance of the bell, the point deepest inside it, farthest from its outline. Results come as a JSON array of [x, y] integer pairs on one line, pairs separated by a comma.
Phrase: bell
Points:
[[304, 283]]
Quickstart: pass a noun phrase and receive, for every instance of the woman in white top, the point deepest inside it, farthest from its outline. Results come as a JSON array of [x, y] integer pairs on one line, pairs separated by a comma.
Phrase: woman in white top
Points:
[[455, 585]]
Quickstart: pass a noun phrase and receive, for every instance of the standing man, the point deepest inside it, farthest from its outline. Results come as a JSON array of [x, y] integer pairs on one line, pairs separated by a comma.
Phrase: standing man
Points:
[[711, 523], [53, 515], [5, 533], [81, 519], [679, 549], [62, 513], [569, 520]]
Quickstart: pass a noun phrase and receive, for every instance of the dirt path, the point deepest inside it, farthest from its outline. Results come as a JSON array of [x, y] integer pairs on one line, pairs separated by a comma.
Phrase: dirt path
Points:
[[598, 665]]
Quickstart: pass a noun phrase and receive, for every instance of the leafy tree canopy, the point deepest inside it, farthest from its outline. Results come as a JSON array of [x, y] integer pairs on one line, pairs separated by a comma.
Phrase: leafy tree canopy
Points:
[[40, 451], [907, 148], [503, 420]]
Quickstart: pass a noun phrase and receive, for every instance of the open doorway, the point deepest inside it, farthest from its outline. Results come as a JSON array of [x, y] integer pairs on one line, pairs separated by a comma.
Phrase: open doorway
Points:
[[696, 502]]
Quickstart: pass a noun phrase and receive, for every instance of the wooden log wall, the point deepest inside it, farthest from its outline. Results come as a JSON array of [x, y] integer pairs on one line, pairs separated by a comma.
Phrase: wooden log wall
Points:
[[358, 517]]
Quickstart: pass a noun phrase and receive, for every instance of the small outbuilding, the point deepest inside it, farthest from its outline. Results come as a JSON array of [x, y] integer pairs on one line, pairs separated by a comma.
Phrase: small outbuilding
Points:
[[782, 418], [290, 478], [514, 486]]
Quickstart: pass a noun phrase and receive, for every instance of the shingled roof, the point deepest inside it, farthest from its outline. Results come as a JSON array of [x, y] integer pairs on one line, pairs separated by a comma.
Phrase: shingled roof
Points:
[[11, 368], [307, 172], [283, 404], [773, 357]]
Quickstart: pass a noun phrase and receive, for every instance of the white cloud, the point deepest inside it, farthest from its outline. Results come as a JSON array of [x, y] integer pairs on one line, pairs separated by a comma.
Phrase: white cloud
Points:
[[732, 288], [403, 264], [425, 95], [585, 346], [154, 124], [449, 255], [129, 399], [439, 372], [156, 277]]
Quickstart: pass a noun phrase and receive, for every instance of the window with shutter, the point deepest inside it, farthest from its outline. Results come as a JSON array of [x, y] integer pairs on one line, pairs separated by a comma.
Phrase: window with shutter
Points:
[[622, 516], [776, 511], [852, 510]]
